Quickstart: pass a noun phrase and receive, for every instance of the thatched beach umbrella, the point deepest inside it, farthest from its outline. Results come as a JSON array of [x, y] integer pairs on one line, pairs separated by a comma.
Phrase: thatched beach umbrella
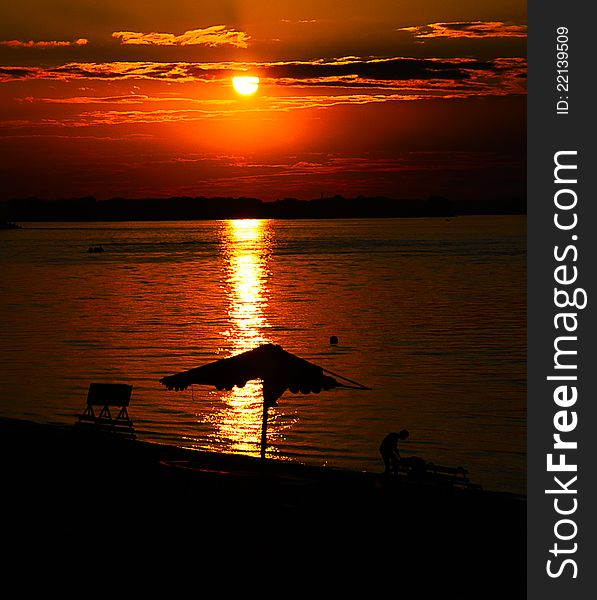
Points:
[[277, 369]]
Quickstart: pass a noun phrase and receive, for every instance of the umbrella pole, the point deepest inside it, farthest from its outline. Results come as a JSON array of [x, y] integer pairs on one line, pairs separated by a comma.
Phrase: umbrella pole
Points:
[[264, 431]]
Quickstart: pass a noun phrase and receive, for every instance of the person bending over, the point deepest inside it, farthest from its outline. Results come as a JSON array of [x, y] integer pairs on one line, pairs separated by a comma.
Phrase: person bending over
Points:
[[390, 452]]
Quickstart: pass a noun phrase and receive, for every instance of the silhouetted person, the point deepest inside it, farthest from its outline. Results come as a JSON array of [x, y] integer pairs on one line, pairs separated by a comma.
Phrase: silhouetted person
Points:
[[389, 450]]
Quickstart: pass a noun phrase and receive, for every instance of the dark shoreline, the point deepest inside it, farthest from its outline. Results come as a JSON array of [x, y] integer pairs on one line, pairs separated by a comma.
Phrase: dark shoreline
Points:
[[202, 208], [55, 475]]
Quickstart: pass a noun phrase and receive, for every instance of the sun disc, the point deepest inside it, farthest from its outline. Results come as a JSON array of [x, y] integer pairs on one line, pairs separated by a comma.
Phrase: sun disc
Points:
[[245, 85]]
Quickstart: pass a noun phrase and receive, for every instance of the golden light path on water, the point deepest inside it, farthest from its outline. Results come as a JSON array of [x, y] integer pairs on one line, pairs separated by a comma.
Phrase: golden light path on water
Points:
[[237, 414]]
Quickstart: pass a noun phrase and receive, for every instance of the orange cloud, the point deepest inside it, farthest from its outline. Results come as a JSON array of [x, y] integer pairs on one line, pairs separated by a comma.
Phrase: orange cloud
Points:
[[353, 80], [217, 35], [468, 29], [32, 44], [143, 109]]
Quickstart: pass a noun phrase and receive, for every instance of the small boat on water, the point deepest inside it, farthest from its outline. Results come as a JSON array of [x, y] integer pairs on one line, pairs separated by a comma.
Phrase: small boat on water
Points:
[[95, 249]]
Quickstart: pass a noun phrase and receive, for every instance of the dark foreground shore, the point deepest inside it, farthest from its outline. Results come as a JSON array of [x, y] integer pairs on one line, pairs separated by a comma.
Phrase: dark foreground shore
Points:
[[59, 479]]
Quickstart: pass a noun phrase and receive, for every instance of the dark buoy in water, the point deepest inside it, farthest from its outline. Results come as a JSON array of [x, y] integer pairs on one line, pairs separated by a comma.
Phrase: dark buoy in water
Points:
[[333, 340]]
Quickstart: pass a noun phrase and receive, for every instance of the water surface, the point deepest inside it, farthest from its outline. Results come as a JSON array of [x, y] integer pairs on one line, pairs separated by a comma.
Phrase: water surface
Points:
[[430, 313]]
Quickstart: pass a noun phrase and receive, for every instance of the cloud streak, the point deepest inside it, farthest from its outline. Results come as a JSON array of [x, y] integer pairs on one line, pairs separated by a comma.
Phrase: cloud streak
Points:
[[466, 76], [217, 35], [42, 44], [142, 109], [468, 29], [286, 87]]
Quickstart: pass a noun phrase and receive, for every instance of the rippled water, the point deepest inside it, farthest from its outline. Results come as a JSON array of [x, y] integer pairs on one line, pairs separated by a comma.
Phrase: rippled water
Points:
[[430, 313]]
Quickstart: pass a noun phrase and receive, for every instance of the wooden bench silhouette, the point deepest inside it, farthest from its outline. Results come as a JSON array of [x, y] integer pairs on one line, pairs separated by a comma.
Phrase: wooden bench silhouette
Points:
[[115, 396], [416, 468]]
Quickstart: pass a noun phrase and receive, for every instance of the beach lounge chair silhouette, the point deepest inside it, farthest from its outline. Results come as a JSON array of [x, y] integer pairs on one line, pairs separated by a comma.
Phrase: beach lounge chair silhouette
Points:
[[115, 396]]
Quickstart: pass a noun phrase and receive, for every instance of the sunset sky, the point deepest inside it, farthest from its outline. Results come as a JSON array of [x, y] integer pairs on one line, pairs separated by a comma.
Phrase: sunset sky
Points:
[[400, 98]]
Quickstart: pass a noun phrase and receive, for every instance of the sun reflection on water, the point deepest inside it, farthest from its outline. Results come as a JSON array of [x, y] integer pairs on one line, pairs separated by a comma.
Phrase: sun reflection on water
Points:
[[237, 418], [246, 244]]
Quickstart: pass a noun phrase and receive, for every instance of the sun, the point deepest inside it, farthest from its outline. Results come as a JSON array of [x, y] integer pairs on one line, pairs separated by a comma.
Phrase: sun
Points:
[[245, 85]]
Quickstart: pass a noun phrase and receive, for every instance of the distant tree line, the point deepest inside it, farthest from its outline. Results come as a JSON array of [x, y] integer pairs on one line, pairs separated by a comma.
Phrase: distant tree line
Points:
[[201, 208]]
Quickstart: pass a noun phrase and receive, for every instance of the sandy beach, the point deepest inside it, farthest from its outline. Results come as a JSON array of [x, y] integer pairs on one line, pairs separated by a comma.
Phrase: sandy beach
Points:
[[68, 479]]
